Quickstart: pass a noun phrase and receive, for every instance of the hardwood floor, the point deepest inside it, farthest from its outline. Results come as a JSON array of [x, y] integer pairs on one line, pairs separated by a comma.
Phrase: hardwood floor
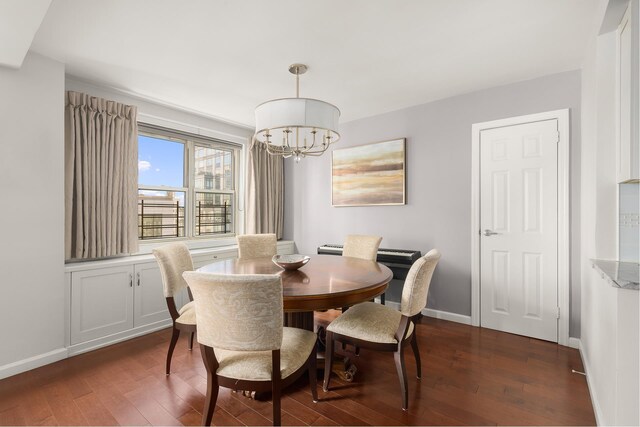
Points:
[[470, 376]]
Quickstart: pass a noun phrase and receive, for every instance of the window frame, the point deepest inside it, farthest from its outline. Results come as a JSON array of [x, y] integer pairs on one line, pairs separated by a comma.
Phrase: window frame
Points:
[[190, 141]]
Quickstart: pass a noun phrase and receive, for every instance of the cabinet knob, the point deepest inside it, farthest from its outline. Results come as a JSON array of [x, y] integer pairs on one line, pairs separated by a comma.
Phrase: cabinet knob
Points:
[[130, 280], [138, 279]]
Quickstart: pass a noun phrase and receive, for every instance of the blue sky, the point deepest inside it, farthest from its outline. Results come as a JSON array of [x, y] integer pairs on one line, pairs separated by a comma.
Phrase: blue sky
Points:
[[160, 162]]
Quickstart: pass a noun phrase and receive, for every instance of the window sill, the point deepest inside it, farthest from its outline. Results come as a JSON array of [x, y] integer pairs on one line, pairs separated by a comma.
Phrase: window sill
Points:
[[147, 247], [205, 247]]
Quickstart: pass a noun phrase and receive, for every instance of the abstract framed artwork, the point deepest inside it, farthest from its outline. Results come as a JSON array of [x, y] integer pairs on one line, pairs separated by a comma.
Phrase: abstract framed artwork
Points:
[[368, 175]]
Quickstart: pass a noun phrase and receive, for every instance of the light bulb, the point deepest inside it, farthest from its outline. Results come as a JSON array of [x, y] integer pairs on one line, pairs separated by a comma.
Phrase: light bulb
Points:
[[298, 158]]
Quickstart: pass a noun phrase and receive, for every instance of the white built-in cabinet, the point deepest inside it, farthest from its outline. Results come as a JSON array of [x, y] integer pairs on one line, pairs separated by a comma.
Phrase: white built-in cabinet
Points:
[[101, 302], [110, 300], [610, 349], [113, 300], [627, 146], [149, 304]]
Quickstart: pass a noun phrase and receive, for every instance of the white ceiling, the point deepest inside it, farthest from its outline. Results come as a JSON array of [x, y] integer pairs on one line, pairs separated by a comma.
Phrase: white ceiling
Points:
[[223, 57], [19, 21]]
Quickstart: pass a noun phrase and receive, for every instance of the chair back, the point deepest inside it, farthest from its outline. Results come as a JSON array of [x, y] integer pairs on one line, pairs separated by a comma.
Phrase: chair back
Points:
[[240, 312], [257, 245], [174, 259], [416, 285], [363, 247]]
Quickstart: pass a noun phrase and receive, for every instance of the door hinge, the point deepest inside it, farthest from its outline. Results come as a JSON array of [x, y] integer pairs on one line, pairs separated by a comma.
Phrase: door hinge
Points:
[[558, 314], [557, 136]]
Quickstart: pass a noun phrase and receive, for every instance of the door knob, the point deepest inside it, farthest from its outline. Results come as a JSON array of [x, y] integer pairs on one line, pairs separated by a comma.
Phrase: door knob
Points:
[[489, 232]]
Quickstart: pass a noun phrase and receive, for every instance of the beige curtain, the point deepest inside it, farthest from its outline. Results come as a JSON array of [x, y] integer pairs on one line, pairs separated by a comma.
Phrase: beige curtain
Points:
[[265, 192], [101, 177]]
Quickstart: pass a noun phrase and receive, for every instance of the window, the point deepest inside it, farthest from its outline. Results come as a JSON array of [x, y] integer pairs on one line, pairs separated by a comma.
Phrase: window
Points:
[[186, 185]]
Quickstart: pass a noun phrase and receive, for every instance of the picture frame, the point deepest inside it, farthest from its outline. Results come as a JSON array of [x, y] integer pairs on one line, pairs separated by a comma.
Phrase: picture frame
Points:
[[372, 174]]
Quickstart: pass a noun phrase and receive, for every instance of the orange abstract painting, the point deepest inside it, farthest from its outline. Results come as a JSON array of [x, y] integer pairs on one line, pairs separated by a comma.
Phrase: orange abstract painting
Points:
[[371, 174]]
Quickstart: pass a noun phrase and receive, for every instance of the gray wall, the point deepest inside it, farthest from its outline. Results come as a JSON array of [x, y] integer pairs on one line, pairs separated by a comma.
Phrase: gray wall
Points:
[[32, 176], [438, 209]]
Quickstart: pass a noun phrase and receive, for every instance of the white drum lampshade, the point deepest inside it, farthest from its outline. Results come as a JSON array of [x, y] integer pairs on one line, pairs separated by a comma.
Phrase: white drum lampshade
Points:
[[297, 126]]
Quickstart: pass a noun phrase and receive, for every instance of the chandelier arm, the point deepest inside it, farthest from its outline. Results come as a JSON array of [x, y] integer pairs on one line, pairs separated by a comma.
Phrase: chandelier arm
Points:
[[274, 150], [317, 151], [313, 141]]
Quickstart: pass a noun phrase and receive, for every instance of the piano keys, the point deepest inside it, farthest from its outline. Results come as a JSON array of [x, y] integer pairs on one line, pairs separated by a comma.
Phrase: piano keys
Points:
[[401, 257]]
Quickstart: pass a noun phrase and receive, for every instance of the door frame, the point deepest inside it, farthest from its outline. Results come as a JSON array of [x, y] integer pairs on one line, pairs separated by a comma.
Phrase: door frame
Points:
[[563, 212]]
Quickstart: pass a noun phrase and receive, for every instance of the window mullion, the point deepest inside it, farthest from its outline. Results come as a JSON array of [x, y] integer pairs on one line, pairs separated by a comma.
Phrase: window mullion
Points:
[[190, 170]]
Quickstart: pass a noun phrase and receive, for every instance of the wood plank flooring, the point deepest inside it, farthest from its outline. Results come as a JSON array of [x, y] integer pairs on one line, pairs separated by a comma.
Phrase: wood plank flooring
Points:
[[471, 376]]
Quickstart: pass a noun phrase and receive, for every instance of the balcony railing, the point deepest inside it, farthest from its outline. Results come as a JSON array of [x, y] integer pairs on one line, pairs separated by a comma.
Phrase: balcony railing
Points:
[[164, 220], [213, 218], [160, 220]]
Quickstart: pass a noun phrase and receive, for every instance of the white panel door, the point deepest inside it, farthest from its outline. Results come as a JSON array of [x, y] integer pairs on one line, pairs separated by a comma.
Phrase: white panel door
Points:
[[519, 229], [150, 305], [101, 302]]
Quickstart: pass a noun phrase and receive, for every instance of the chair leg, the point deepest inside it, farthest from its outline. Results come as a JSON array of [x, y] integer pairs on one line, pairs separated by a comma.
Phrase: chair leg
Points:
[[210, 400], [276, 386], [313, 375], [191, 340], [416, 353], [172, 346], [328, 360], [402, 375], [276, 406]]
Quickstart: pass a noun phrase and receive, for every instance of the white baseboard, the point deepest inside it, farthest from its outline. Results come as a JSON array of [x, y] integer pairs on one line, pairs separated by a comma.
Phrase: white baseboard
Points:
[[592, 391], [574, 342], [116, 338], [444, 315], [24, 365], [30, 363], [447, 315]]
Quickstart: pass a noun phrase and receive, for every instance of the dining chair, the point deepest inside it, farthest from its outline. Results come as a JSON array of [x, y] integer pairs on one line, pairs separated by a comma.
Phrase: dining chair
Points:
[[257, 245], [174, 259], [361, 246], [379, 327], [243, 343]]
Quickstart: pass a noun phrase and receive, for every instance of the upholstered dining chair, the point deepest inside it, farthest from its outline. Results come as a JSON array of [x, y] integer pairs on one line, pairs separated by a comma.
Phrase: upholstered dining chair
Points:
[[379, 327], [174, 259], [243, 343], [361, 246], [257, 245]]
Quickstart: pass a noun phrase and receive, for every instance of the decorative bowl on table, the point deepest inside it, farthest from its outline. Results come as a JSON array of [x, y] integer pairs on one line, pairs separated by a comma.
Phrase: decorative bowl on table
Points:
[[290, 262]]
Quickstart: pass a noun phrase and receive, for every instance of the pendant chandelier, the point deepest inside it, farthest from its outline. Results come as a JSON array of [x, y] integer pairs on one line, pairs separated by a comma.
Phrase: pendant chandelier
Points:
[[297, 127]]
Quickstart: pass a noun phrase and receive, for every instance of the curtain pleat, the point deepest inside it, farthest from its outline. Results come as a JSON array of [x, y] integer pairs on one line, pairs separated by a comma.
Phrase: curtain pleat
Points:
[[101, 177], [265, 192]]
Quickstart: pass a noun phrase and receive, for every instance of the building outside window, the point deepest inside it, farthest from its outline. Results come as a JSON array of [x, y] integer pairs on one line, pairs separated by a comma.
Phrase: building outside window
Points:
[[186, 185]]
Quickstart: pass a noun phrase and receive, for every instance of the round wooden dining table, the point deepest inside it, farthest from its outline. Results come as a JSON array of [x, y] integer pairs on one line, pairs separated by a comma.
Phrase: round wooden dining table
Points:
[[325, 282]]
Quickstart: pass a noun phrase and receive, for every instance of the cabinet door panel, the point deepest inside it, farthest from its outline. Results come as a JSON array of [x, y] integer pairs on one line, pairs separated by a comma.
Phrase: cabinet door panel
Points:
[[101, 303], [150, 305]]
